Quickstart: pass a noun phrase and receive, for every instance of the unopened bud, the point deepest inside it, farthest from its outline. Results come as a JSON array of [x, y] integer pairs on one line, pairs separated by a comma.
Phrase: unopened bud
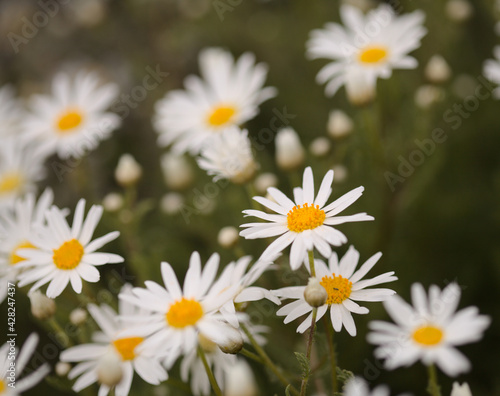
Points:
[[264, 181], [128, 171], [234, 343], [461, 390], [42, 307], [437, 69], [315, 294], [172, 203], [177, 171], [320, 147], [339, 124], [78, 316], [109, 369], [340, 172], [112, 202], [290, 153], [62, 368], [228, 237], [428, 95], [459, 10]]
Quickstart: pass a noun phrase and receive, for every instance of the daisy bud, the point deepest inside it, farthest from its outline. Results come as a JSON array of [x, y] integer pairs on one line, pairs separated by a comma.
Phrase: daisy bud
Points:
[[172, 203], [290, 154], [240, 380], [128, 171], [62, 368], [109, 370], [228, 237], [461, 390], [234, 343], [428, 95], [42, 307], [320, 147], [315, 294], [360, 91], [264, 181], [339, 124], [112, 202], [78, 316], [437, 69], [458, 10], [340, 172], [177, 171]]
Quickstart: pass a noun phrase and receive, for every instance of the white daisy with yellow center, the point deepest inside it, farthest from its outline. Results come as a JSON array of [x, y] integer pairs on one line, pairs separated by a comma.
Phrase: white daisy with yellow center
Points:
[[228, 95], [178, 316], [428, 331], [74, 119], [128, 350], [16, 230], [21, 383], [305, 223], [343, 286], [368, 47], [64, 254]]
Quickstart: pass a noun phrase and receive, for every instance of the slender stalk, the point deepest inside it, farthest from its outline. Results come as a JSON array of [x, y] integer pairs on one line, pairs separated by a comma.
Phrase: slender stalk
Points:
[[311, 263], [303, 386], [251, 192], [211, 377], [251, 355], [61, 335], [266, 360], [331, 352], [433, 387]]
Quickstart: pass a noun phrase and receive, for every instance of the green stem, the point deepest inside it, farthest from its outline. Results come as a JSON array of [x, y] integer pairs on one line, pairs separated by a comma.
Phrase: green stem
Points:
[[303, 386], [433, 387], [211, 377], [60, 333], [266, 360], [333, 358], [311, 263], [251, 192], [251, 355]]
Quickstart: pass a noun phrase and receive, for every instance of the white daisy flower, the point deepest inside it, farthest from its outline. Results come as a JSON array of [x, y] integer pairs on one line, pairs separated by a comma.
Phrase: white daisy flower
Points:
[[343, 286], [306, 223], [18, 385], [11, 113], [228, 155], [357, 386], [367, 48], [491, 70], [17, 230], [21, 166], [428, 331], [130, 356], [177, 316], [74, 119], [229, 94], [66, 254]]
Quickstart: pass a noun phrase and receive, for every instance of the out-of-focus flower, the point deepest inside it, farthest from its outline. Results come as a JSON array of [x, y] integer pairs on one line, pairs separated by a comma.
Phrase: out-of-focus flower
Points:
[[128, 171], [228, 237], [42, 307], [428, 331], [340, 172], [339, 124], [320, 146], [172, 203], [74, 119], [428, 95], [437, 69], [344, 287], [306, 223], [386, 40], [62, 369], [264, 181], [240, 380], [357, 386], [491, 70], [78, 316], [229, 94], [22, 358], [177, 171], [112, 202], [228, 155], [62, 254], [461, 390], [459, 10], [11, 113], [290, 153], [113, 358]]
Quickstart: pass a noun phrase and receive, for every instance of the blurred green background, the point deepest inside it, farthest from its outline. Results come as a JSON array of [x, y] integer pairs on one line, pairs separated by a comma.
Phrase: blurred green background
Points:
[[441, 224]]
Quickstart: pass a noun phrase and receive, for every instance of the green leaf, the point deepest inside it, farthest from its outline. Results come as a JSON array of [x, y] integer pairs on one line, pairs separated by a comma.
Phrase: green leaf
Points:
[[287, 390], [344, 375], [304, 363]]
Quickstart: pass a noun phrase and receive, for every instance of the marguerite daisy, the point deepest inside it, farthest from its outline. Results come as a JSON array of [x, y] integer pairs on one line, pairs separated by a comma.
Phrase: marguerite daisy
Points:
[[343, 286], [306, 223], [368, 47], [63, 254], [17, 230], [428, 331], [129, 355], [12, 385], [491, 70], [74, 120], [178, 316], [229, 94], [228, 155]]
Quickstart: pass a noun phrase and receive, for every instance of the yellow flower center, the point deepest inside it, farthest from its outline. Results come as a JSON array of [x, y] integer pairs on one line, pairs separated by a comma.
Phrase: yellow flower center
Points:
[[373, 54], [14, 258], [428, 335], [69, 255], [2, 386], [126, 347], [221, 115], [337, 287], [184, 313], [69, 120], [10, 182], [305, 218]]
